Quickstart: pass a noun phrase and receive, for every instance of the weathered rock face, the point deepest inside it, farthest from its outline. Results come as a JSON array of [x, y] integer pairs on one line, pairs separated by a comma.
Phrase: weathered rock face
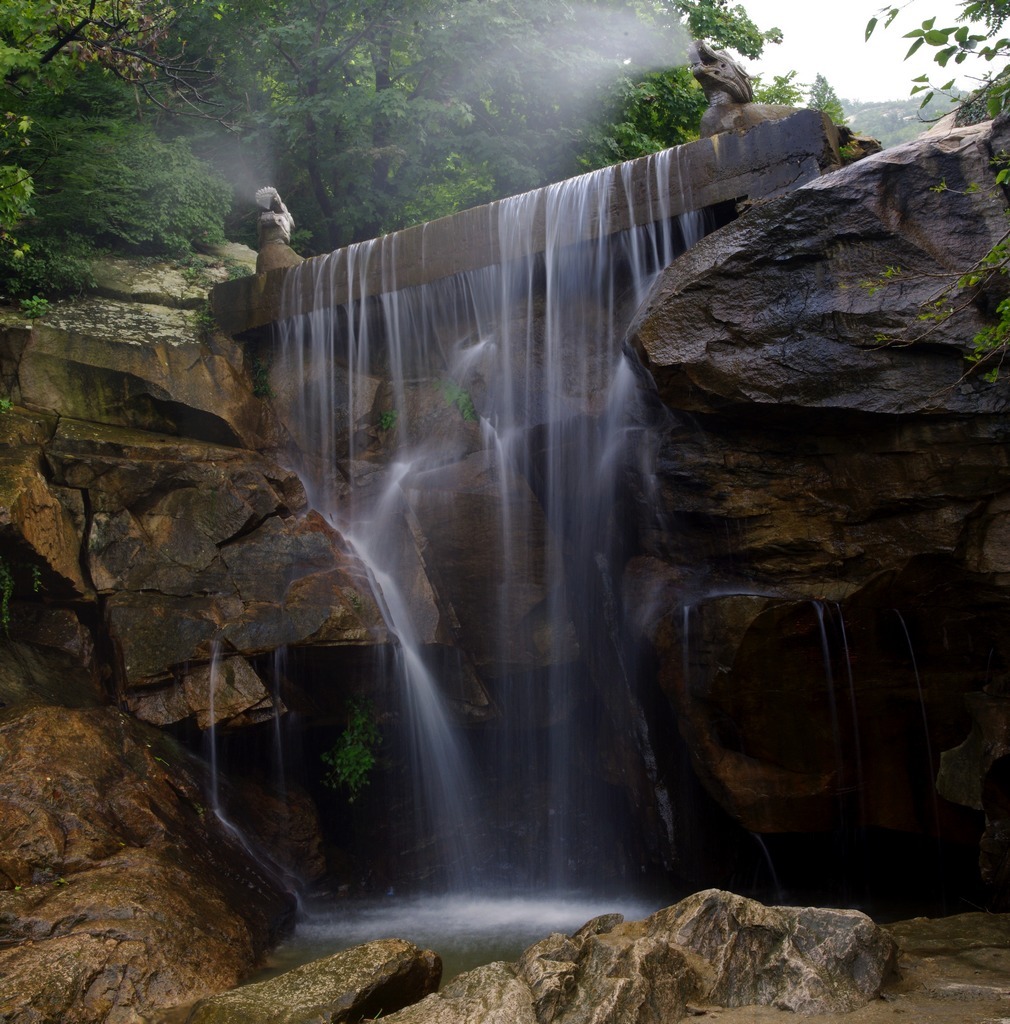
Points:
[[120, 892], [792, 307], [378, 977], [712, 949], [816, 575], [835, 584], [191, 548]]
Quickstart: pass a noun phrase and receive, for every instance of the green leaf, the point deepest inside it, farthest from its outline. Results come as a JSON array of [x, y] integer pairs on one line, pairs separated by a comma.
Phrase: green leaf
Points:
[[925, 100], [915, 46], [870, 26], [937, 37]]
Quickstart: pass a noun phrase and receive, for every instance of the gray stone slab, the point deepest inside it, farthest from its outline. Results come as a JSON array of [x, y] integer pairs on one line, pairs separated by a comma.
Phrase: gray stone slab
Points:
[[768, 160]]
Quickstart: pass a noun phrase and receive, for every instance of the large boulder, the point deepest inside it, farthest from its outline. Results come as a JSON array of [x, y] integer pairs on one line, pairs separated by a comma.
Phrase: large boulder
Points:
[[804, 959], [490, 994], [813, 300], [838, 476], [711, 949], [121, 892], [362, 982]]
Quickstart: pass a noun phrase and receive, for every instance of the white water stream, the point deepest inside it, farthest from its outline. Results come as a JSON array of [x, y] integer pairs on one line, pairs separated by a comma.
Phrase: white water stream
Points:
[[528, 355]]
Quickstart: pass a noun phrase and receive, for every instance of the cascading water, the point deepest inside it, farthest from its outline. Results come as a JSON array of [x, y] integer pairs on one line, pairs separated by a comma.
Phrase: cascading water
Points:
[[499, 402]]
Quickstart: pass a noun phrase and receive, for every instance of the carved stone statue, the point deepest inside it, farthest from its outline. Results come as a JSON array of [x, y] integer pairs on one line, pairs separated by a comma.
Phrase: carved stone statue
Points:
[[273, 231], [730, 95], [731, 106]]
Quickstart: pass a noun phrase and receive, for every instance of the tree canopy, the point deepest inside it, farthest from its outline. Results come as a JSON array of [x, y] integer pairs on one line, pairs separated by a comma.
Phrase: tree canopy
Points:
[[824, 98], [367, 114]]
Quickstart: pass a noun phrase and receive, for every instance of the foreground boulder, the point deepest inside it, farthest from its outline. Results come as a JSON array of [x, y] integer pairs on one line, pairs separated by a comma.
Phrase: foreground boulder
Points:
[[377, 977], [804, 959], [121, 892], [713, 948]]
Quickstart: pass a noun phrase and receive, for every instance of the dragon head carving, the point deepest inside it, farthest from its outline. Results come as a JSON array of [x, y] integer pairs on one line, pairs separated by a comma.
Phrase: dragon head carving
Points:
[[721, 78]]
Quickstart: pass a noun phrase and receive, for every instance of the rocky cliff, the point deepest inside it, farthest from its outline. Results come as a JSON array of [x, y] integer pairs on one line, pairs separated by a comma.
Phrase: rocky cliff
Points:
[[838, 474], [816, 574]]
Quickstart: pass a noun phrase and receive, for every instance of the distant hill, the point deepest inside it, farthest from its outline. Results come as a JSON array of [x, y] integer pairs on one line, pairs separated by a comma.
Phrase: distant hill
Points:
[[894, 121]]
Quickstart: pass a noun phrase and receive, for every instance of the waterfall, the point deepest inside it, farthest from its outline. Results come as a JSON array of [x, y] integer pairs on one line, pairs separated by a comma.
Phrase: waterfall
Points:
[[498, 404]]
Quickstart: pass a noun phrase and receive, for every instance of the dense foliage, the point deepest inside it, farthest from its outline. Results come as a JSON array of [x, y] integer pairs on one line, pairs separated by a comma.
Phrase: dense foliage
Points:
[[81, 162], [372, 115], [366, 114]]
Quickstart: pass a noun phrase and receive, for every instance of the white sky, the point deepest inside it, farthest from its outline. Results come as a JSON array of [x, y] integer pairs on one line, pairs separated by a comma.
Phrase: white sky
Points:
[[827, 37]]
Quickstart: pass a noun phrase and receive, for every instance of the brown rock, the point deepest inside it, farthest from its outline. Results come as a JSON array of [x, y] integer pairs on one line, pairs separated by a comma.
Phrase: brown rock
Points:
[[713, 949], [490, 994], [140, 366], [789, 305], [33, 520], [807, 960], [379, 976], [119, 893]]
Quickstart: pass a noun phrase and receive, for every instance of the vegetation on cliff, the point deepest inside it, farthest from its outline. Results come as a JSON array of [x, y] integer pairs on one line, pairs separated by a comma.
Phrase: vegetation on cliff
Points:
[[121, 121], [145, 126]]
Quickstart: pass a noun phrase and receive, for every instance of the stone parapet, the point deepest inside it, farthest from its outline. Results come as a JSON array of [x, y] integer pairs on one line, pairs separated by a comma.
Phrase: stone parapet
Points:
[[765, 161]]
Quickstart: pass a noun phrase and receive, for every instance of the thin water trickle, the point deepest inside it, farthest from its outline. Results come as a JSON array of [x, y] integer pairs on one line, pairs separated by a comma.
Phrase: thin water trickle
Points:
[[928, 743], [216, 804], [836, 730], [210, 734]]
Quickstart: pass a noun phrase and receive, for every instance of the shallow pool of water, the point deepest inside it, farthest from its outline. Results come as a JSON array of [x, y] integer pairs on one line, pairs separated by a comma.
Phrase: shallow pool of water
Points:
[[465, 931]]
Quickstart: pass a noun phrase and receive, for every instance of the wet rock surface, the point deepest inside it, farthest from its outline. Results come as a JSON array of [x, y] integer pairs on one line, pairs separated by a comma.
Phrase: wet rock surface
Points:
[[363, 982], [120, 891], [817, 579], [713, 949], [837, 475], [950, 970], [713, 956]]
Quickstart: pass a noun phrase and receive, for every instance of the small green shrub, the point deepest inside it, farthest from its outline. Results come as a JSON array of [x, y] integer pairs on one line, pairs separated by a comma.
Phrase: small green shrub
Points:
[[35, 306], [352, 758], [205, 317], [261, 378], [459, 398], [7, 585], [51, 264], [387, 419]]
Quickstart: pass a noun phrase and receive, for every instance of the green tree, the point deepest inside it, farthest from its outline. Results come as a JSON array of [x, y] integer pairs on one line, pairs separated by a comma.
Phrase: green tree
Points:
[[368, 115], [81, 163], [782, 89], [46, 47], [824, 98]]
